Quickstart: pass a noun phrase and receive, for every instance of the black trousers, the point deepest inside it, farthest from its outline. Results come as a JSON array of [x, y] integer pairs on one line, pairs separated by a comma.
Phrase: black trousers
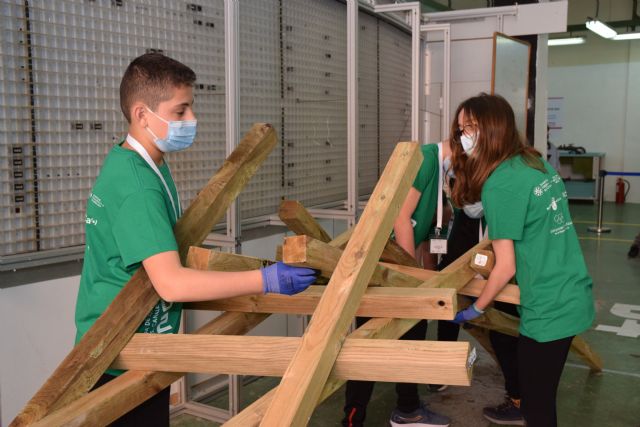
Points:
[[540, 366], [506, 350], [152, 412], [463, 236]]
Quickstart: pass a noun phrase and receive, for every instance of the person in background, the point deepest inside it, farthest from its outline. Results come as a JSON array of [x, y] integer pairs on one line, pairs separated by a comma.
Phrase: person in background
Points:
[[418, 215], [527, 213], [635, 247], [133, 208]]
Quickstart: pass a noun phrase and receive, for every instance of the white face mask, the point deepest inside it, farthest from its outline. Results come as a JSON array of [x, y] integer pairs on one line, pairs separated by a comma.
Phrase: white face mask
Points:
[[468, 142], [474, 210]]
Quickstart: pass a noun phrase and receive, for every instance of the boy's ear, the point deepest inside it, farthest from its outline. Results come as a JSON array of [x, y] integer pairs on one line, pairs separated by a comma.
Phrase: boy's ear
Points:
[[139, 114]]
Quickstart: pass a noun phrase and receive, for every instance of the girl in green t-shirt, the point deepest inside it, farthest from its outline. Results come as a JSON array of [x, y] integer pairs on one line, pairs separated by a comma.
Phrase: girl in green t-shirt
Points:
[[527, 213]]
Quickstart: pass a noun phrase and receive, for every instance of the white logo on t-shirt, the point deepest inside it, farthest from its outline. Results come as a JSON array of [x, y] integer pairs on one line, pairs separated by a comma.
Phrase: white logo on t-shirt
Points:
[[554, 204], [537, 191]]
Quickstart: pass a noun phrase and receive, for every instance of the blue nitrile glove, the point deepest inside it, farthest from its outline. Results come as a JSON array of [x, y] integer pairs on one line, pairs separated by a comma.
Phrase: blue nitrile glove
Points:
[[281, 278], [467, 314]]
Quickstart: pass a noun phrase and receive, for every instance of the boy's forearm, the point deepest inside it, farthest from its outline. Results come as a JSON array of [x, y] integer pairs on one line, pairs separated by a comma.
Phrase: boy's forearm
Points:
[[175, 283], [196, 285]]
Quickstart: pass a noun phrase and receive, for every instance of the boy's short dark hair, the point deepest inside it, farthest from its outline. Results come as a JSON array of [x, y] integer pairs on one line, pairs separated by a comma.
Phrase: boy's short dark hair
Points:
[[151, 78]]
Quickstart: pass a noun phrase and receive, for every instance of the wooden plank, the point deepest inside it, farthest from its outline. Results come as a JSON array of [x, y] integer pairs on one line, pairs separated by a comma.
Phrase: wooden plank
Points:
[[392, 251], [403, 303], [300, 221], [209, 259], [473, 288], [302, 383], [108, 402], [499, 321], [305, 251], [82, 367], [368, 360], [342, 239], [377, 328]]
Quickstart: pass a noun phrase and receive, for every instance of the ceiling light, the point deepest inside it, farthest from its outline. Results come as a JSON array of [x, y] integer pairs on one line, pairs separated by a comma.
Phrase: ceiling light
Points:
[[566, 41], [600, 28], [627, 36]]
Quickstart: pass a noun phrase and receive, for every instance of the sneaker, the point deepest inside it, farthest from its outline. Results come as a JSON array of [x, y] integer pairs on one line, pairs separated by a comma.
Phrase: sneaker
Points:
[[507, 413], [421, 417], [435, 388]]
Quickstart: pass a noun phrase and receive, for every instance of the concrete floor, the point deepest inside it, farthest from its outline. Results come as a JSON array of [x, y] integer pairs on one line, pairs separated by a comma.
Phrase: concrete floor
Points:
[[610, 399]]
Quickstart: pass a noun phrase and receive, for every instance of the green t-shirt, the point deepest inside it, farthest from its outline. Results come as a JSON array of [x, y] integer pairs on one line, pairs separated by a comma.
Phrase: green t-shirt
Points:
[[129, 218], [426, 183], [531, 208]]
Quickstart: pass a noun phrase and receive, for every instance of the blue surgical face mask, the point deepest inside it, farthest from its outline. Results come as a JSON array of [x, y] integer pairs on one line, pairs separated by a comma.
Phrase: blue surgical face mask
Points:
[[468, 143], [180, 136]]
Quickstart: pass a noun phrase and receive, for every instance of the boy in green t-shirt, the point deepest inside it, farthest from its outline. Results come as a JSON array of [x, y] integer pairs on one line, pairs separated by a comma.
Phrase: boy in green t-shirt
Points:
[[133, 208]]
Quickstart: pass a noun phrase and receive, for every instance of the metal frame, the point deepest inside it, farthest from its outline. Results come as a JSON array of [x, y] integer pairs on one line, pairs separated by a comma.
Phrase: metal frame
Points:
[[412, 15], [446, 83]]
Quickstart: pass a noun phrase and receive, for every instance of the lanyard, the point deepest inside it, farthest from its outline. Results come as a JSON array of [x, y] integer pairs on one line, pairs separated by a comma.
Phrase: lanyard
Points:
[[147, 158], [440, 182]]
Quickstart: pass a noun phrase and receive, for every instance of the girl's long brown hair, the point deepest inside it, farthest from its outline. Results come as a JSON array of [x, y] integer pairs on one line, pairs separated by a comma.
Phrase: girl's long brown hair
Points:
[[498, 141]]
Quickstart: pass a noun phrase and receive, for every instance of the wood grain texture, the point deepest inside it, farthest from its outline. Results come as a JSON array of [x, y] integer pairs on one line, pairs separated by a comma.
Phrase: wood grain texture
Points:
[[377, 328], [403, 303], [392, 252], [82, 367], [303, 381], [496, 320], [305, 251], [209, 259], [367, 360], [300, 221], [482, 262], [108, 402]]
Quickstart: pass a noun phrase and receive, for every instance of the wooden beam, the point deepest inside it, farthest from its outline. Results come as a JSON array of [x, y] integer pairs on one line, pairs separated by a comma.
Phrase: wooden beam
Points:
[[209, 259], [482, 262], [403, 303], [305, 251], [368, 360], [108, 402], [377, 328], [473, 288], [392, 252], [303, 381], [80, 370], [300, 221], [499, 321]]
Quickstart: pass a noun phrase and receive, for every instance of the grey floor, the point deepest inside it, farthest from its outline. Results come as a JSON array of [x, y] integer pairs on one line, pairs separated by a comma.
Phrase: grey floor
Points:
[[610, 399]]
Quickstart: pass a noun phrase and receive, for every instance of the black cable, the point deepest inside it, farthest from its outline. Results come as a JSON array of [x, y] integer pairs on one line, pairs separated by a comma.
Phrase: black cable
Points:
[[597, 8]]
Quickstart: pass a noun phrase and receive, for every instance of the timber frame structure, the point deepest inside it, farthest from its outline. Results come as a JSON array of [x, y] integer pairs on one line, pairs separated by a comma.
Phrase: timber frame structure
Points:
[[368, 275]]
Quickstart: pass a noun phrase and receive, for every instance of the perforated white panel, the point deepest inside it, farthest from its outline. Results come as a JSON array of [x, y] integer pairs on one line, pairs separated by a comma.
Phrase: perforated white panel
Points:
[[260, 92], [368, 99], [62, 62], [79, 51], [395, 89], [315, 125]]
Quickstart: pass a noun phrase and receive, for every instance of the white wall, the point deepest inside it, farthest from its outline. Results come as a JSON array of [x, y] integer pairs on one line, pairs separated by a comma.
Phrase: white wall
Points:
[[599, 81], [37, 330]]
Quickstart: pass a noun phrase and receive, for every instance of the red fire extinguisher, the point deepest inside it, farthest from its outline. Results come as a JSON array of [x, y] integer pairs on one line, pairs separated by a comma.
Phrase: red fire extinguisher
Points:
[[621, 191]]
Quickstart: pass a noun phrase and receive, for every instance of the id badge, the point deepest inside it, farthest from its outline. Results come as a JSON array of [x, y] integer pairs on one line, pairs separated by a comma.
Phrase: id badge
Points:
[[438, 243]]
